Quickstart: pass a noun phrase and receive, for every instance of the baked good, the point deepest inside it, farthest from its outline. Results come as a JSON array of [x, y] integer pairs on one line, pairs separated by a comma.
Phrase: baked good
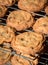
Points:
[[41, 25], [7, 2], [32, 5], [29, 43], [3, 10], [4, 56], [20, 20], [46, 10], [16, 60], [6, 34], [6, 45]]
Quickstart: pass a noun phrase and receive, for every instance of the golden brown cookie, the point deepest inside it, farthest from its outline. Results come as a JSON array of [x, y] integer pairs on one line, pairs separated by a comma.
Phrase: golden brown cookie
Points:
[[6, 34], [28, 43], [7, 2], [46, 10], [41, 25], [20, 20], [4, 56], [6, 45], [16, 60], [31, 5], [3, 10]]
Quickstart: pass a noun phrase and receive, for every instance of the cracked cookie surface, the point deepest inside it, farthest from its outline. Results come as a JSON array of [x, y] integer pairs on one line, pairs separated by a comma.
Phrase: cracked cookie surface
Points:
[[31, 5], [46, 10], [7, 2], [28, 43], [16, 60], [41, 25], [6, 34], [20, 20], [3, 10], [4, 56]]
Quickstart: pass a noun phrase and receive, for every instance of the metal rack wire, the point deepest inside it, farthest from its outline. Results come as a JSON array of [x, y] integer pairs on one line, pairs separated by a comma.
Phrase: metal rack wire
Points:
[[44, 57]]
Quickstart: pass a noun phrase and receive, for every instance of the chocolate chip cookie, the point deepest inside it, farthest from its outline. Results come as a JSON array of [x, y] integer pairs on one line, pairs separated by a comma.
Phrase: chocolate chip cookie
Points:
[[16, 60], [46, 10], [7, 2], [6, 34], [4, 56], [32, 5], [3, 10], [28, 43], [41, 25], [20, 20]]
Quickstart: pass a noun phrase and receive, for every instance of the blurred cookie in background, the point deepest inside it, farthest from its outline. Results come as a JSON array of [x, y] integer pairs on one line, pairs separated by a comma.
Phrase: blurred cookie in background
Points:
[[7, 2], [6, 34], [41, 25], [16, 60], [3, 11], [4, 55], [46, 10], [32, 5]]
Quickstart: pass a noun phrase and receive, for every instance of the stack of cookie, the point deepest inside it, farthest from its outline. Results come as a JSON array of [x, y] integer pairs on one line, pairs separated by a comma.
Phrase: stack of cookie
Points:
[[6, 36], [27, 44]]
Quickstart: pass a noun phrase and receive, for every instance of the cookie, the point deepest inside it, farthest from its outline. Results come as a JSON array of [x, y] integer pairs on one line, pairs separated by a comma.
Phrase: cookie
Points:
[[20, 20], [3, 11], [46, 10], [28, 43], [4, 56], [41, 25], [16, 60], [6, 45], [32, 5], [7, 2], [6, 34]]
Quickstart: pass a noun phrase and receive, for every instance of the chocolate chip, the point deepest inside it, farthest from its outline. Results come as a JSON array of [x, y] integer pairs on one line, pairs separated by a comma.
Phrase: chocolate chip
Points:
[[32, 47], [0, 10], [22, 39], [44, 25]]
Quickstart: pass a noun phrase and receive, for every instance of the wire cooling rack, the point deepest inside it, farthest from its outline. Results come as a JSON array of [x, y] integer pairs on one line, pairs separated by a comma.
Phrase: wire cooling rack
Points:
[[44, 56]]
